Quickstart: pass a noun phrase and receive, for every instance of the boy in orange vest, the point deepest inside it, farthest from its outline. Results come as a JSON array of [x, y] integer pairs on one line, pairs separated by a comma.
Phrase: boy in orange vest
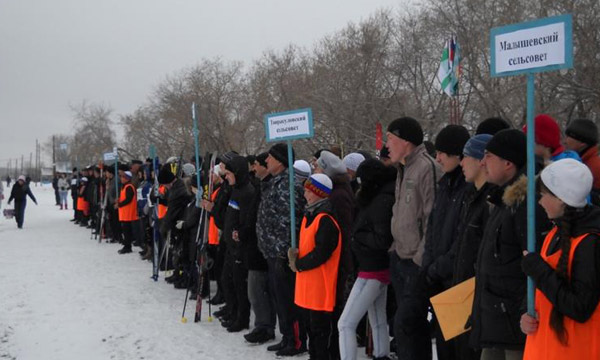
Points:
[[316, 263]]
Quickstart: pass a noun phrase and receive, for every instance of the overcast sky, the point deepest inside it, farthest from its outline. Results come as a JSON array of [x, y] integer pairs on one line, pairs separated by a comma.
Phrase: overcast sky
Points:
[[59, 52]]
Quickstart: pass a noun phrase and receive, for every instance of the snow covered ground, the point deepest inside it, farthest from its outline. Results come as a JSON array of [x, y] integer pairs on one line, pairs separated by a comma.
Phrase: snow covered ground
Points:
[[64, 296]]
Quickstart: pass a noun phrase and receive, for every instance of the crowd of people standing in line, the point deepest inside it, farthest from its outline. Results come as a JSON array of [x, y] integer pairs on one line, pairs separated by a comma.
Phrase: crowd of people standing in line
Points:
[[418, 221]]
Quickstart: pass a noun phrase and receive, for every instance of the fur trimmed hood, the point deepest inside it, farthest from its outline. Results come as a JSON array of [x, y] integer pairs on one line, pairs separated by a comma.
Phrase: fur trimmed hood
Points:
[[516, 193]]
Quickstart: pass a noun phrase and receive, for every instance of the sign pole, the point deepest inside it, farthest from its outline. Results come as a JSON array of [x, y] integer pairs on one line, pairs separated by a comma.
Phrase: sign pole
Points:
[[530, 186], [197, 152], [292, 194], [116, 174]]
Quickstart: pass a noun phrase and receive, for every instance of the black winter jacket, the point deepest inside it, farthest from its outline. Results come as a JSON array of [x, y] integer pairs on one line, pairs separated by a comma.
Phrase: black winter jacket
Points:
[[326, 238], [371, 235], [577, 298], [19, 193], [240, 214], [254, 257], [442, 229], [179, 197], [500, 290], [475, 213]]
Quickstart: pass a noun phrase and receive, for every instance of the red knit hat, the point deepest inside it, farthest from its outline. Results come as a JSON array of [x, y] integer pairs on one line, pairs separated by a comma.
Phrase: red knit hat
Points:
[[547, 132]]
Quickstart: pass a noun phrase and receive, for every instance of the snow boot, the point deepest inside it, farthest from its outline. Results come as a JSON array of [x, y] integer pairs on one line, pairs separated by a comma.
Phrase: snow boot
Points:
[[276, 347], [238, 326], [125, 250]]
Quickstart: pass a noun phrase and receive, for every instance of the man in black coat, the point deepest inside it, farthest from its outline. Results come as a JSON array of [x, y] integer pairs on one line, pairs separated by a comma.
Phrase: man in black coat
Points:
[[500, 290], [474, 215], [75, 194], [258, 277], [179, 197], [438, 259], [239, 229], [55, 187]]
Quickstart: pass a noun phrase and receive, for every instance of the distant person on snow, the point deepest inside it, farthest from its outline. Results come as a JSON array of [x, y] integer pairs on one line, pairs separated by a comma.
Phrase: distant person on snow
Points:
[[63, 190], [19, 193]]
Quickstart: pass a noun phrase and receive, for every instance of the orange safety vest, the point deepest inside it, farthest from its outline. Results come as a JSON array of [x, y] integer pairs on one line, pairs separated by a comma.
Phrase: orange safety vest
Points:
[[162, 209], [213, 230], [83, 205], [316, 288], [128, 212], [583, 338]]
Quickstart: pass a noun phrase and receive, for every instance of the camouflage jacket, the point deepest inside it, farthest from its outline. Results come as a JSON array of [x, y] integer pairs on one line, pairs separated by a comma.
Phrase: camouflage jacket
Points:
[[273, 222]]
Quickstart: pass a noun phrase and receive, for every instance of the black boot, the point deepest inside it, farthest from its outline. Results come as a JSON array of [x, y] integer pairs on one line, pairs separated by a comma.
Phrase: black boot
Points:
[[125, 250], [238, 326], [276, 347]]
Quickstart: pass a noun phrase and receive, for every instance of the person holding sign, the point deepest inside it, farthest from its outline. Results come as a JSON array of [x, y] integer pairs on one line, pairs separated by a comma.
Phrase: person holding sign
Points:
[[273, 231], [566, 271]]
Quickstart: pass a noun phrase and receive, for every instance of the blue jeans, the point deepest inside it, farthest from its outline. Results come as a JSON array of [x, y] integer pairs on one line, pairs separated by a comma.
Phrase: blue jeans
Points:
[[367, 295], [20, 212], [63, 198], [411, 328]]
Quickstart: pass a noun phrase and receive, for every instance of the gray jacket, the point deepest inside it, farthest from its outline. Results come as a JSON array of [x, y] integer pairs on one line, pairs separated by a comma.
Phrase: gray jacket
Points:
[[415, 194]]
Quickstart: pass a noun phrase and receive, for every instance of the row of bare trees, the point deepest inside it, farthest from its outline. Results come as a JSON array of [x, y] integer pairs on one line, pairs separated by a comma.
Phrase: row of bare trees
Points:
[[374, 71]]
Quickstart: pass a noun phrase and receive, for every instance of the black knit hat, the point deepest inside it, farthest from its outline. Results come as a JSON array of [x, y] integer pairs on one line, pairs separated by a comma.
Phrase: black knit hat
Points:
[[408, 129], [165, 176], [511, 145], [262, 159], [492, 126], [123, 167], [583, 130], [280, 153], [227, 156], [452, 139]]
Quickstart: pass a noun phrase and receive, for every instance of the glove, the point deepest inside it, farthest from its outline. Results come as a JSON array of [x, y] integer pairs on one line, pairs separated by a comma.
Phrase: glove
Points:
[[292, 257], [179, 224], [533, 265]]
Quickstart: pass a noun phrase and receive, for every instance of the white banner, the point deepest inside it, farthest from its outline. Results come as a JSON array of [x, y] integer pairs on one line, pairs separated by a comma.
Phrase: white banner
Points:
[[530, 48], [290, 125]]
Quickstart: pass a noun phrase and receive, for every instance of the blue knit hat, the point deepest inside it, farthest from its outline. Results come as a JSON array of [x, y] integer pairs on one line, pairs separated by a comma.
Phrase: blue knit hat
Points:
[[475, 147]]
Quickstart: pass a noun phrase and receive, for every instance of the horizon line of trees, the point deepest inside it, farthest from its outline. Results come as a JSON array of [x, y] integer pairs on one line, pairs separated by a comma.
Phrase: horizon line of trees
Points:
[[375, 71]]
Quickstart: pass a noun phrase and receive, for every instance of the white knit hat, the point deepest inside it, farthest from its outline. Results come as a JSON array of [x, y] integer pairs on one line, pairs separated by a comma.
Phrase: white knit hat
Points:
[[353, 160], [302, 168], [22, 178], [570, 180]]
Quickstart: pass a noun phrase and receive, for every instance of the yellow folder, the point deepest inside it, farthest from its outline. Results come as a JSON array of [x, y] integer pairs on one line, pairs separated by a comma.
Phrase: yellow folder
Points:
[[453, 307]]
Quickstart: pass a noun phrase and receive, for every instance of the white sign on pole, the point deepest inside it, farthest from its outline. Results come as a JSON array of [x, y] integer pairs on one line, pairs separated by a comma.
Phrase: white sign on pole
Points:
[[535, 46], [109, 156], [297, 124]]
